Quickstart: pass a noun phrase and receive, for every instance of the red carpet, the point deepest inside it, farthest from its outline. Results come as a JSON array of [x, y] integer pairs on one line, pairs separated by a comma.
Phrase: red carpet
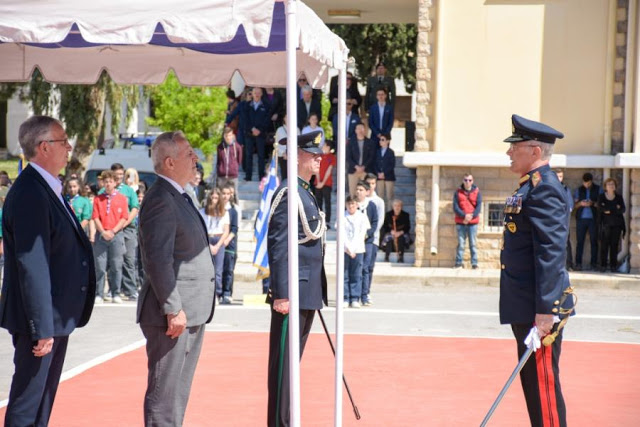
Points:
[[395, 381]]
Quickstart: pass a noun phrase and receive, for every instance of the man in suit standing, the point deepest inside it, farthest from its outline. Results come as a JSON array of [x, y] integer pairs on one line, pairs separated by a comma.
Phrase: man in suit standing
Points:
[[258, 121], [49, 284], [380, 81], [351, 121], [312, 278], [177, 296], [380, 116], [307, 105], [360, 158]]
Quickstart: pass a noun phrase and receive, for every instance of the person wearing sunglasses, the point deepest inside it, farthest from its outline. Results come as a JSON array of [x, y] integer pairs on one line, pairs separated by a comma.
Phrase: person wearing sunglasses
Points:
[[467, 204]]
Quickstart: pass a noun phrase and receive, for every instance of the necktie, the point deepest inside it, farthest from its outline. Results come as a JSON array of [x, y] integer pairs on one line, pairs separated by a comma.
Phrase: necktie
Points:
[[190, 201], [188, 198]]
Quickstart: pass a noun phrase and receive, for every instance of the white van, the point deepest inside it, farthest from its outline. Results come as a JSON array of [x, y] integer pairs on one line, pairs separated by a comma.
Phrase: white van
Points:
[[137, 156]]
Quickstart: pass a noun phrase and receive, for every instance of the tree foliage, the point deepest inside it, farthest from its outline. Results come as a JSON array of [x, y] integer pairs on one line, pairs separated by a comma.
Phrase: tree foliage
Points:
[[197, 111], [81, 107], [394, 44]]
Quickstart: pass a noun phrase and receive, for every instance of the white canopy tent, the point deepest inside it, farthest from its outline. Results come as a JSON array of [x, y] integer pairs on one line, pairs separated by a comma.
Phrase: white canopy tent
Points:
[[204, 42]]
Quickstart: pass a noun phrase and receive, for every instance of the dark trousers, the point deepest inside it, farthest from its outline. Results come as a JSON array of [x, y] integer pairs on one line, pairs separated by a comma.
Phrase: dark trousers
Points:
[[34, 383], [259, 143], [129, 267], [279, 402], [582, 227], [368, 263], [569, 252], [227, 273], [609, 246], [540, 378], [323, 196]]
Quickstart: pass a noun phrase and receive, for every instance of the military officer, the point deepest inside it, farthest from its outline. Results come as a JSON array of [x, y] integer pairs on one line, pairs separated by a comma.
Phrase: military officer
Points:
[[533, 275], [311, 274]]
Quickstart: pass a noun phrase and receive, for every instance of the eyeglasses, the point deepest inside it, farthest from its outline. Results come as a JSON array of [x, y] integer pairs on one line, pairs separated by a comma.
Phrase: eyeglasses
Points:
[[64, 141], [513, 146], [468, 180]]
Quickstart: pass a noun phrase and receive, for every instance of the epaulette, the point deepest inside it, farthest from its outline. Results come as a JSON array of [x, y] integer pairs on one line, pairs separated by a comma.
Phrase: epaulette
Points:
[[536, 178]]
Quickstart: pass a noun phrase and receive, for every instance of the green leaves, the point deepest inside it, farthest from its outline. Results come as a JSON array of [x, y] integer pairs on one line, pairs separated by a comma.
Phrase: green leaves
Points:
[[197, 111], [394, 44]]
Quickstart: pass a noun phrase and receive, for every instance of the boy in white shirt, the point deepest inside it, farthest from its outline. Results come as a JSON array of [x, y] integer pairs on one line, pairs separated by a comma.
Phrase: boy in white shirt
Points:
[[356, 225]]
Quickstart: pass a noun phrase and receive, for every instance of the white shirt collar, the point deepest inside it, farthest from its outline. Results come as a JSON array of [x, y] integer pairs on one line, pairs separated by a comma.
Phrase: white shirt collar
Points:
[[173, 183], [53, 181]]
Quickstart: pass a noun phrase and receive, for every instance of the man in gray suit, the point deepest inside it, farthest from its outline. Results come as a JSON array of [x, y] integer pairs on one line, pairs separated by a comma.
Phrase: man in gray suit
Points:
[[177, 296]]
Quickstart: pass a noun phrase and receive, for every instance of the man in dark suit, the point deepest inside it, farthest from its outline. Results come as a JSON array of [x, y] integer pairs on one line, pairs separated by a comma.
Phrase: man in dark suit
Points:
[[307, 105], [49, 277], [177, 296], [352, 93], [361, 152], [380, 81], [258, 121], [352, 119], [312, 279], [533, 276], [380, 116]]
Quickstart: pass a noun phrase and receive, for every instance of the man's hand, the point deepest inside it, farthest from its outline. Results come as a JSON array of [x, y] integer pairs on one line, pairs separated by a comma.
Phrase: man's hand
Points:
[[468, 217], [359, 169], [281, 306], [43, 347], [381, 176], [176, 324], [108, 235], [319, 185], [213, 249], [544, 322], [255, 132]]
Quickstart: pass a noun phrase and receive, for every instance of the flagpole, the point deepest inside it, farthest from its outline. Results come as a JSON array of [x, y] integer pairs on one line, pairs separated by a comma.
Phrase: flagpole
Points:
[[292, 211], [341, 139]]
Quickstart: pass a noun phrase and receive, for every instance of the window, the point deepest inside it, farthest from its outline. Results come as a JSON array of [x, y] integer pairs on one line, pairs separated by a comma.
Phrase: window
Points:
[[494, 216]]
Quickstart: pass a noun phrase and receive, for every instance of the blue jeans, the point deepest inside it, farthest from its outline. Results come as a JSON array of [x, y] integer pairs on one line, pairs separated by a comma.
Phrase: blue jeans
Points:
[[368, 262], [467, 231], [218, 263], [352, 278], [582, 226], [109, 259], [129, 270]]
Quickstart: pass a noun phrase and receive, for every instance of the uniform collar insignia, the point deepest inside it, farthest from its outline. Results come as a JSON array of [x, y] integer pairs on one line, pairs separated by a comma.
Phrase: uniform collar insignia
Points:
[[304, 184], [536, 178], [524, 179]]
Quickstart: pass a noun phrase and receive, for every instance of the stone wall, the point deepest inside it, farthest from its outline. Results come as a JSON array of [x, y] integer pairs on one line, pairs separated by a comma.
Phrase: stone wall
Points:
[[423, 77], [634, 222], [617, 127]]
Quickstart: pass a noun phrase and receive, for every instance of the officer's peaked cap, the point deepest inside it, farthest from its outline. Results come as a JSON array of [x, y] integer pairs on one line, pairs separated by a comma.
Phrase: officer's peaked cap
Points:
[[309, 142], [529, 130]]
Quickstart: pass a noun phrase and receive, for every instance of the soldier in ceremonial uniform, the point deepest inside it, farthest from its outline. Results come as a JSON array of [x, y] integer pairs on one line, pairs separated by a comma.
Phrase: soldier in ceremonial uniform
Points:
[[533, 275], [311, 274]]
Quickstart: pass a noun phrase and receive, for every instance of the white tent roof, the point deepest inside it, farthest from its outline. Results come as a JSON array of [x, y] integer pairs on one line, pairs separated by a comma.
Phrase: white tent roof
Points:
[[203, 41]]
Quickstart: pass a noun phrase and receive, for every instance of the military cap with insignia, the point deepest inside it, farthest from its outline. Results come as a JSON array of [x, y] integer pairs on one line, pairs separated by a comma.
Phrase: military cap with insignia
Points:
[[529, 130], [309, 142]]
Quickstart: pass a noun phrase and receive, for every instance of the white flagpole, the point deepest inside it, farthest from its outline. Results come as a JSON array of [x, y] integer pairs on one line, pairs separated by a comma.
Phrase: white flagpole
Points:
[[341, 139], [292, 174]]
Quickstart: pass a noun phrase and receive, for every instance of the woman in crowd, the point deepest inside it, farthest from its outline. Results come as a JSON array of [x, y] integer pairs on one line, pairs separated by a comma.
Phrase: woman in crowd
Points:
[[81, 206], [230, 244], [312, 126], [611, 209], [132, 179], [217, 221], [384, 168]]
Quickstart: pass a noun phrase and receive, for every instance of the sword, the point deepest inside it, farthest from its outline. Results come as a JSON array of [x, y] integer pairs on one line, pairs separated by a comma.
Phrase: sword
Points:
[[546, 341]]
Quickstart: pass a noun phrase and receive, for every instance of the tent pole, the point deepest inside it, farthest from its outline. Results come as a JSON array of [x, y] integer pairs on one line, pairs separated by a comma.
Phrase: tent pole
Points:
[[292, 173], [341, 139]]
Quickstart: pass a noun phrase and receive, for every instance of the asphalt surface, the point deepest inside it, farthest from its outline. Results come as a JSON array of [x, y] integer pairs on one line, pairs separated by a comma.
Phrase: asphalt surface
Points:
[[604, 315]]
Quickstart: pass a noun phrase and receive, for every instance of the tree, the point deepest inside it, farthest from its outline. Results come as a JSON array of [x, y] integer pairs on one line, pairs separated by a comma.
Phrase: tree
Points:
[[394, 44], [197, 111], [81, 108]]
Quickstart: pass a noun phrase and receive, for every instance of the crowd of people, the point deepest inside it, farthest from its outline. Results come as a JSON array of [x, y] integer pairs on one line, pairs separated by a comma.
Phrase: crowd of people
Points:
[[598, 211]]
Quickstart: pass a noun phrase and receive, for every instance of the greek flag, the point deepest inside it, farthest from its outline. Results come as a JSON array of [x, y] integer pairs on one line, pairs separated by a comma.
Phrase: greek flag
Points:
[[260, 258]]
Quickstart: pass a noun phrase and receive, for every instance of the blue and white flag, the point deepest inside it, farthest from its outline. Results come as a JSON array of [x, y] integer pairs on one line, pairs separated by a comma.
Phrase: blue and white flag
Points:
[[261, 258]]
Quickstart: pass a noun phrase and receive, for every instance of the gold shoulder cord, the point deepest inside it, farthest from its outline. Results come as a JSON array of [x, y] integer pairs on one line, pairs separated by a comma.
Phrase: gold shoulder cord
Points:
[[309, 235]]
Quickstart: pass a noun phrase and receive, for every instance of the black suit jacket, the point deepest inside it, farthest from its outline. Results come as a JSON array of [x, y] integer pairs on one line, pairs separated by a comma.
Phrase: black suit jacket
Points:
[[49, 277], [311, 273], [353, 155], [315, 107]]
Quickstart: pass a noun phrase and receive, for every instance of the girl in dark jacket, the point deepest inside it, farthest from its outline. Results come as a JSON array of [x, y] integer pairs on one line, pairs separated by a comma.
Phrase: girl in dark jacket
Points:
[[610, 209]]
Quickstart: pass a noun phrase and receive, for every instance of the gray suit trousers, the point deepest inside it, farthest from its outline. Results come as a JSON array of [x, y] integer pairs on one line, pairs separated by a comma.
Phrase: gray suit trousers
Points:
[[171, 363]]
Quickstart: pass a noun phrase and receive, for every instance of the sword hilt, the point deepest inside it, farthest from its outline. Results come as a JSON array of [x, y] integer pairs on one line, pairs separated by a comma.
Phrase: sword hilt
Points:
[[550, 338]]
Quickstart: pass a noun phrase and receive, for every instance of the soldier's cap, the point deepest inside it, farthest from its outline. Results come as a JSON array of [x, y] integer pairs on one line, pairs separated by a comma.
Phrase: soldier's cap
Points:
[[529, 130], [309, 142]]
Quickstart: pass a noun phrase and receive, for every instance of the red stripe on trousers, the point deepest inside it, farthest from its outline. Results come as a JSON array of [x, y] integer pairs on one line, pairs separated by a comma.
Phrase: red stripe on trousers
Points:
[[547, 387]]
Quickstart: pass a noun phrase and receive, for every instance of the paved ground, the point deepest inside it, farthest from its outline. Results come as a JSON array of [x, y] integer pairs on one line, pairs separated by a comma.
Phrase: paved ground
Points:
[[605, 316]]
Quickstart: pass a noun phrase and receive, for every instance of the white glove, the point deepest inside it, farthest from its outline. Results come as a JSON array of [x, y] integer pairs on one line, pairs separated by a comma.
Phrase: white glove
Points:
[[533, 339]]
